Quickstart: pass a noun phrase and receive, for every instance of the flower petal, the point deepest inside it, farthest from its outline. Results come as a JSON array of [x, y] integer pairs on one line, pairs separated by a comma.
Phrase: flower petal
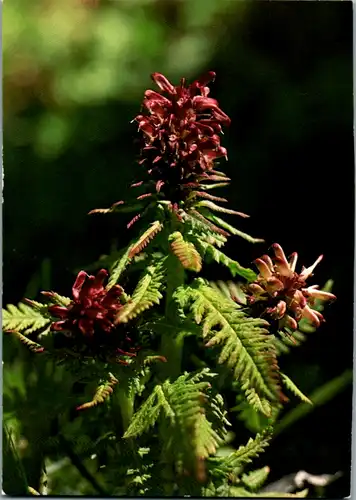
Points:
[[307, 272], [59, 311], [163, 83], [282, 264], [318, 294], [313, 316], [78, 284], [268, 261], [291, 322], [274, 285], [263, 268], [293, 261]]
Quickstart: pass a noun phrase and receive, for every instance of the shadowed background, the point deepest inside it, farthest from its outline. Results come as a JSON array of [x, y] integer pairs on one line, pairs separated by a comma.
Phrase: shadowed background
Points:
[[74, 76]]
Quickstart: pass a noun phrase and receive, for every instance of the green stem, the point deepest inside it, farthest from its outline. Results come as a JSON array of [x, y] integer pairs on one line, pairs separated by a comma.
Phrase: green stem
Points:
[[125, 402], [172, 347]]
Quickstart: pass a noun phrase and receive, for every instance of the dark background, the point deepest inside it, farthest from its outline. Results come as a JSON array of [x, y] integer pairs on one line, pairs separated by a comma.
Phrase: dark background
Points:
[[73, 80]]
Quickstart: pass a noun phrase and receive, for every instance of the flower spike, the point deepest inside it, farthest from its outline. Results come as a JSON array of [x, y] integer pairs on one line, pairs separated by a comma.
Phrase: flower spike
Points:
[[284, 291]]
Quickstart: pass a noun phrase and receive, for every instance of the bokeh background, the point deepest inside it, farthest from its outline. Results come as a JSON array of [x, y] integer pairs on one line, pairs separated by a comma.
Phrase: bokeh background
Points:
[[73, 77]]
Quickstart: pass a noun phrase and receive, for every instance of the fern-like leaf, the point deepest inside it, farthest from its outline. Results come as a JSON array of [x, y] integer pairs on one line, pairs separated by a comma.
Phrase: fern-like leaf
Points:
[[256, 478], [118, 267], [246, 346], [146, 416], [200, 229], [288, 339], [206, 224], [57, 299], [102, 393], [186, 252], [119, 206], [182, 408], [235, 268], [231, 229], [23, 318], [236, 461], [230, 290], [145, 238], [254, 447], [294, 389], [212, 206], [146, 294], [33, 346]]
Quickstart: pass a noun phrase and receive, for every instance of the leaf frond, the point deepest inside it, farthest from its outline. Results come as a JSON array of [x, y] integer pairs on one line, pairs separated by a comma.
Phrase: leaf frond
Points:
[[254, 479], [145, 238], [235, 268], [185, 252], [245, 344], [118, 266], [102, 393], [228, 227], [57, 299], [236, 461], [212, 206], [32, 346], [146, 294], [23, 318], [289, 384], [182, 407]]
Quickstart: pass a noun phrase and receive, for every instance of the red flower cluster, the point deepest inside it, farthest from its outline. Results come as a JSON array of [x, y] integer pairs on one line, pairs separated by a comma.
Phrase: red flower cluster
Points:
[[285, 291], [181, 131], [93, 307]]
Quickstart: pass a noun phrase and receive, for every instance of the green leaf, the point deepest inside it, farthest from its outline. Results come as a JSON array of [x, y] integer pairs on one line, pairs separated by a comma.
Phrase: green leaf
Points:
[[146, 294], [230, 290], [23, 318], [185, 252], [118, 267], [145, 238], [232, 229], [57, 299], [212, 206], [293, 388], [256, 478], [187, 416], [235, 268], [245, 344], [102, 393], [236, 461], [33, 346], [146, 416]]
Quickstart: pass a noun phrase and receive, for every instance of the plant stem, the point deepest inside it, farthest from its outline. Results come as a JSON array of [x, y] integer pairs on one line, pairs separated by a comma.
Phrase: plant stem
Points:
[[172, 347], [125, 401]]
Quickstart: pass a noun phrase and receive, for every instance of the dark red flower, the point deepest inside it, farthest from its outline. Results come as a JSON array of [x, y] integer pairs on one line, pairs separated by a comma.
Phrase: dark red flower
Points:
[[181, 135], [93, 308], [285, 292]]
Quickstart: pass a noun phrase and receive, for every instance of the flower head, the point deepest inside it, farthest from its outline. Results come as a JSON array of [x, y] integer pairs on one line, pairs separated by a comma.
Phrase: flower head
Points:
[[285, 292], [88, 321], [92, 309], [181, 134]]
